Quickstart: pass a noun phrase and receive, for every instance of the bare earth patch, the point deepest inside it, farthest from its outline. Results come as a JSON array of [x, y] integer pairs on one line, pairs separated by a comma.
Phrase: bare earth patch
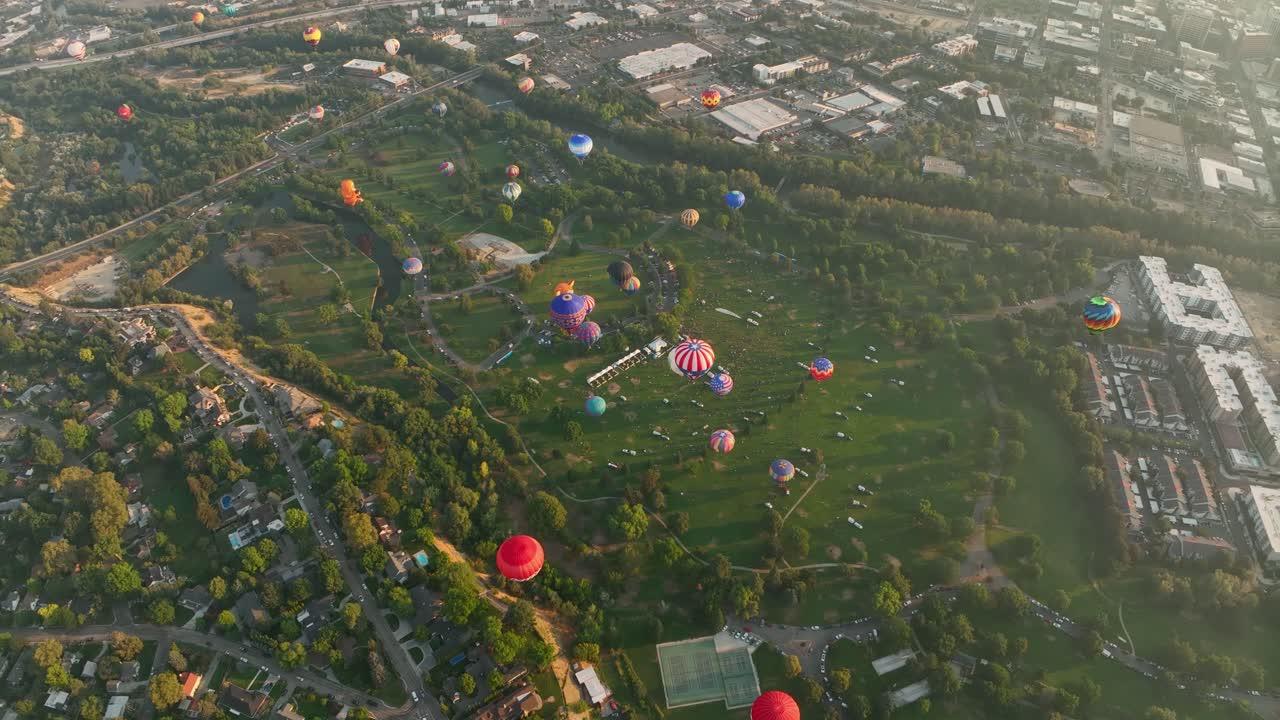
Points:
[[563, 384], [16, 128], [574, 364], [613, 388], [634, 381], [94, 282], [906, 362], [717, 465], [1263, 314], [791, 314], [234, 82], [544, 376], [833, 552]]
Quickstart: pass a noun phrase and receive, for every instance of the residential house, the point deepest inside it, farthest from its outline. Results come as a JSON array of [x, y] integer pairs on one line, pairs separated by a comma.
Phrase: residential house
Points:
[[196, 598], [209, 407], [1141, 402], [1127, 357], [237, 435], [81, 605], [57, 700], [1172, 416], [18, 673], [293, 402], [289, 713], [239, 499], [1195, 485], [115, 707], [100, 416], [190, 683], [132, 484], [1117, 471], [315, 614], [29, 395], [11, 601], [160, 350], [136, 331], [398, 566], [426, 604], [238, 701], [1094, 387], [107, 439], [1169, 491], [89, 670], [249, 610], [1193, 547], [261, 521], [139, 514], [388, 533], [518, 703], [592, 688], [157, 575]]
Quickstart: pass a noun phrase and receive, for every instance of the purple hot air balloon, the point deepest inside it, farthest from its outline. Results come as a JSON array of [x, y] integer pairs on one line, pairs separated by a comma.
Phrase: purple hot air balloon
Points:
[[587, 333], [568, 310], [721, 384], [782, 471]]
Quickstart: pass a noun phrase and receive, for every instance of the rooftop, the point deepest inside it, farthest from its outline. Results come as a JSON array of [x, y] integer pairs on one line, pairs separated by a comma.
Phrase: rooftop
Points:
[[652, 62], [754, 118], [1209, 294], [366, 65]]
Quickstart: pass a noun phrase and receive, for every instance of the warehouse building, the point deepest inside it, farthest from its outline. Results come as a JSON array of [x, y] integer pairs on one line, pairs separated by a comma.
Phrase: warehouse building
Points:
[[1199, 309], [395, 79], [754, 118], [364, 68], [1156, 144], [680, 56]]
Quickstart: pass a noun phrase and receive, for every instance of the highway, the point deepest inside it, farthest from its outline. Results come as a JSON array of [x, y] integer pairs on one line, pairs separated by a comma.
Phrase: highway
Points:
[[203, 37], [288, 152]]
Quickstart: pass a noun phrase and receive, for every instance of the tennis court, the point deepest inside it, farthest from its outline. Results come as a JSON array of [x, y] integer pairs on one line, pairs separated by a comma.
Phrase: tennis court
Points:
[[704, 670]]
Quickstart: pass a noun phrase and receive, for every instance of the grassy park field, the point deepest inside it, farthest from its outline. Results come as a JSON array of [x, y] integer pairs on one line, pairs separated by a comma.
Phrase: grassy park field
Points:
[[473, 326]]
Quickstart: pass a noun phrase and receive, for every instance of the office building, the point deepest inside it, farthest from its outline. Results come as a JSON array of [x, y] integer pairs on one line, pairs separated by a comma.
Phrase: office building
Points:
[[1071, 37], [579, 20], [1005, 31], [1074, 112], [769, 74], [956, 46], [395, 79], [1187, 86], [1196, 308], [1193, 21], [364, 68], [1217, 175]]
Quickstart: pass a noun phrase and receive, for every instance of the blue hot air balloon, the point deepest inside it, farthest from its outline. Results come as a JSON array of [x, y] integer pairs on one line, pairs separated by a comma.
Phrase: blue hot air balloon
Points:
[[596, 406], [568, 310], [580, 145], [735, 199], [782, 471], [412, 266], [439, 108]]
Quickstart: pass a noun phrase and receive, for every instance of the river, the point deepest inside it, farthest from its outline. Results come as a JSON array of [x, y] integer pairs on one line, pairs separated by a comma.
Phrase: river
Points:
[[211, 277]]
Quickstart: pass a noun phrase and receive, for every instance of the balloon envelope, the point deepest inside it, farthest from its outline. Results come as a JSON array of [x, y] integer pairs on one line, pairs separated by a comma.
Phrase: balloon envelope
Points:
[[735, 199], [1101, 314], [721, 384], [447, 168], [782, 470], [316, 113], [568, 310], [76, 49], [722, 441], [710, 98], [775, 705], [198, 18], [229, 10], [689, 218], [412, 266], [580, 145], [124, 112], [525, 85], [346, 187], [392, 46], [520, 558], [440, 108], [564, 287], [513, 172], [511, 191], [596, 406], [588, 332], [312, 35], [619, 271], [821, 369], [631, 285], [693, 358], [588, 303]]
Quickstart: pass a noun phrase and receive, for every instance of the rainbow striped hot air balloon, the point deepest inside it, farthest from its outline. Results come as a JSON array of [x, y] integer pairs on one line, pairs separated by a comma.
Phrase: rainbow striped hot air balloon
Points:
[[722, 441], [587, 333], [631, 285], [568, 310], [721, 384], [821, 369], [412, 266], [595, 406], [447, 168], [692, 358], [782, 471], [1101, 313]]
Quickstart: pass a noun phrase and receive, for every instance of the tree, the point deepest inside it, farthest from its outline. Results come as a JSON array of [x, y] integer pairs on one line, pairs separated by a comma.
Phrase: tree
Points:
[[547, 513], [1155, 712], [297, 522], [45, 452], [165, 690], [217, 587], [589, 652], [466, 683], [125, 647], [791, 666], [57, 557], [460, 601], [122, 579], [505, 213], [328, 313], [91, 708], [679, 523], [812, 690], [226, 620], [75, 435], [630, 521], [1011, 600], [888, 601], [47, 653], [351, 615], [143, 421], [524, 277], [177, 661], [840, 679], [86, 355], [160, 612], [1091, 643], [359, 531], [400, 601], [796, 540], [521, 617], [548, 229]]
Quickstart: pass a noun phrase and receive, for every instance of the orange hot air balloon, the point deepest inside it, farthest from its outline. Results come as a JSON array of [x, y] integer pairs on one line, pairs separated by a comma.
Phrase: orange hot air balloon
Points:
[[525, 85], [710, 99], [198, 18], [346, 187], [312, 35], [564, 287]]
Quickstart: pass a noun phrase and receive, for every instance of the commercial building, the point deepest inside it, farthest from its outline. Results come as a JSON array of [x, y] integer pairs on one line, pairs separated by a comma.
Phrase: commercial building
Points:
[[1193, 21], [1216, 175], [525, 37], [642, 11], [933, 165], [769, 74], [1156, 144], [520, 60], [754, 118], [484, 20], [1139, 52], [965, 88], [1005, 31], [579, 20], [1197, 308], [1233, 389], [881, 69], [666, 95], [1074, 112], [1193, 58], [395, 79], [364, 68], [1262, 505], [1071, 37], [1254, 43], [1187, 86], [956, 46], [680, 56]]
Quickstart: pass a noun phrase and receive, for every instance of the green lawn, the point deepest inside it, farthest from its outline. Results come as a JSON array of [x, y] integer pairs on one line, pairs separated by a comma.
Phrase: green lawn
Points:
[[474, 334], [587, 271]]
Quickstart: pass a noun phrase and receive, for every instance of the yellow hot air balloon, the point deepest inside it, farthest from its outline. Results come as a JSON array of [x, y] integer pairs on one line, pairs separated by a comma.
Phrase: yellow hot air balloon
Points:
[[689, 218], [312, 36]]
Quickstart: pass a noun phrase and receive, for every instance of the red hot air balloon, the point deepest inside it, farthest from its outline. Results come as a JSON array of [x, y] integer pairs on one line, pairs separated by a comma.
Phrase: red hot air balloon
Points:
[[710, 99], [775, 705], [513, 172], [124, 112], [520, 558]]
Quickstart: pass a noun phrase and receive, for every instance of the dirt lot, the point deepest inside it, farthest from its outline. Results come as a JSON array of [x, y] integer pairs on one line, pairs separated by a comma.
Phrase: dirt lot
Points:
[[16, 128], [95, 281], [912, 20], [234, 81], [1263, 314]]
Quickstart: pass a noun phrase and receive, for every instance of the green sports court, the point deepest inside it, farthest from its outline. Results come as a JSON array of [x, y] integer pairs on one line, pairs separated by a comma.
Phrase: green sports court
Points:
[[708, 669]]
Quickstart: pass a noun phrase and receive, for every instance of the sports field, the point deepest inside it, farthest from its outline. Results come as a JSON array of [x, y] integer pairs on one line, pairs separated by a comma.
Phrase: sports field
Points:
[[706, 670]]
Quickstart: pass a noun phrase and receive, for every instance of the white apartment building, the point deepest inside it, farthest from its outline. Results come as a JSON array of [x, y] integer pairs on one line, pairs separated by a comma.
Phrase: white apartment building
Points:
[[1200, 311]]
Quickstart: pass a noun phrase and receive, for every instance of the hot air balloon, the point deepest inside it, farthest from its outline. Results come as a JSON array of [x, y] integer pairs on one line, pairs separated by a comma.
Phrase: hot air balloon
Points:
[[352, 200], [710, 99], [347, 187], [76, 49], [446, 168], [230, 10], [589, 303], [350, 195], [513, 172], [619, 271], [564, 287], [412, 266], [439, 108], [511, 191], [520, 558], [94, 167], [775, 705], [595, 405], [782, 471], [721, 384], [735, 199], [312, 35], [568, 310], [587, 333], [525, 85], [693, 358], [316, 113], [821, 369], [124, 112], [631, 285], [198, 18], [722, 441], [392, 46], [689, 218], [1101, 313], [580, 145]]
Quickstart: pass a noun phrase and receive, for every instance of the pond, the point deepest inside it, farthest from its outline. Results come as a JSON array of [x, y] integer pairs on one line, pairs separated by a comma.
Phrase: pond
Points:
[[212, 278]]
